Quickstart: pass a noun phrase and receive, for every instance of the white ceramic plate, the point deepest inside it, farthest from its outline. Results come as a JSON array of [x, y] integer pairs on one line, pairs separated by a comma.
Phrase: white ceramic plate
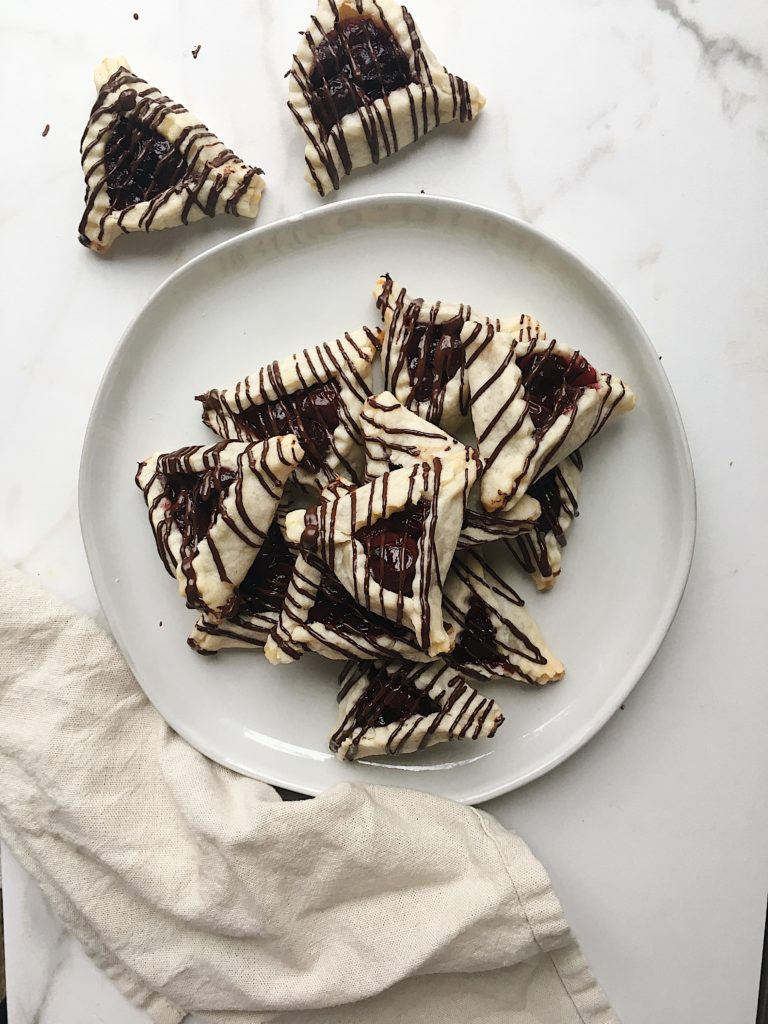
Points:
[[290, 285]]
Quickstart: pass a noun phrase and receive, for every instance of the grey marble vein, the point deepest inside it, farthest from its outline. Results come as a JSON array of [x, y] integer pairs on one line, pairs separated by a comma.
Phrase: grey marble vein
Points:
[[714, 49]]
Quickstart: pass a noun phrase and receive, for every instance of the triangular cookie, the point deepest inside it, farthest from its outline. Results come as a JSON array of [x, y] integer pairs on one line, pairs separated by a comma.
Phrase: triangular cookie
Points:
[[260, 597], [210, 510], [363, 85], [495, 634], [319, 615], [422, 354], [397, 708], [150, 164], [317, 394], [533, 403], [395, 438], [391, 542], [539, 551]]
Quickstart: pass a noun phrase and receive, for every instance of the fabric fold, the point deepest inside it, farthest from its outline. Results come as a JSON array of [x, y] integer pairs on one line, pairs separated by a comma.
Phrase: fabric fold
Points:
[[198, 890]]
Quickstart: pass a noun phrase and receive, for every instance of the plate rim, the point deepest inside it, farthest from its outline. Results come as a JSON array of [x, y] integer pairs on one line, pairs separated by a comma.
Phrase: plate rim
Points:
[[689, 514]]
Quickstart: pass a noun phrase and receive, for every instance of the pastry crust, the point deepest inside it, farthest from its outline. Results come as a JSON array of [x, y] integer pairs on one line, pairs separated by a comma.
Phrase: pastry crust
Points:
[[454, 709], [490, 617], [379, 127], [209, 568], [345, 364], [539, 551], [446, 405], [210, 636], [300, 627], [395, 438], [514, 451], [403, 316], [437, 491], [217, 181]]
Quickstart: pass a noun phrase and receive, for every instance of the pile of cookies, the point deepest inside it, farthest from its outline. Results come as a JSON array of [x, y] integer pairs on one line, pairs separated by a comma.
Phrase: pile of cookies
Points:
[[331, 519]]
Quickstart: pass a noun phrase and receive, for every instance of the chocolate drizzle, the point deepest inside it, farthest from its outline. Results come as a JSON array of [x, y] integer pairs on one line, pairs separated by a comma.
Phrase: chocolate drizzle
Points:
[[381, 541], [356, 63], [410, 707], [395, 437], [530, 404], [496, 636], [423, 346], [315, 394], [140, 164], [148, 164], [537, 551], [266, 582], [351, 64], [312, 414], [210, 509], [194, 499]]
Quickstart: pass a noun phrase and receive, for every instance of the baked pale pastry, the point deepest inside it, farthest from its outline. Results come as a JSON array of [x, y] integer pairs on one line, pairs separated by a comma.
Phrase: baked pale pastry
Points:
[[319, 615], [539, 551], [533, 403], [495, 634], [363, 84], [422, 355], [391, 542], [150, 164], [260, 598], [316, 394], [395, 438], [397, 708], [210, 510]]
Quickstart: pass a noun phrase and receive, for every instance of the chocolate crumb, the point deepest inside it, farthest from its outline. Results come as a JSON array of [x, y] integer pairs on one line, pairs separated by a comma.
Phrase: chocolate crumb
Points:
[[659, 358], [196, 50], [621, 706], [161, 622], [135, 16], [46, 130], [421, 190], [730, 463]]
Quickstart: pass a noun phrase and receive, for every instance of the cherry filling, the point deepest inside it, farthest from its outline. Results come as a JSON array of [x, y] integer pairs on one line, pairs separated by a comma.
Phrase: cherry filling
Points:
[[392, 547], [434, 355], [266, 582], [359, 61], [391, 699], [139, 164], [477, 642], [336, 608], [312, 415], [193, 499], [553, 384]]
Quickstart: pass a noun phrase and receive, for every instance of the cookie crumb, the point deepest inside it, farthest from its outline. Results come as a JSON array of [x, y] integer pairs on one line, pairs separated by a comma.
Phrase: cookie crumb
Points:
[[135, 16], [659, 358], [196, 50], [161, 622], [730, 463], [422, 192], [46, 130], [622, 706]]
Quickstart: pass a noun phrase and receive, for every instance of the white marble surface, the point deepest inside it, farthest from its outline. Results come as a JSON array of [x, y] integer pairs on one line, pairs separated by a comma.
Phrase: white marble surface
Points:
[[636, 132]]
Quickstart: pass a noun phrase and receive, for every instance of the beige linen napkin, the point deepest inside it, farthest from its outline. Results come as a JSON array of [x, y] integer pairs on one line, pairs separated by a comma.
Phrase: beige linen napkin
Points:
[[198, 890]]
